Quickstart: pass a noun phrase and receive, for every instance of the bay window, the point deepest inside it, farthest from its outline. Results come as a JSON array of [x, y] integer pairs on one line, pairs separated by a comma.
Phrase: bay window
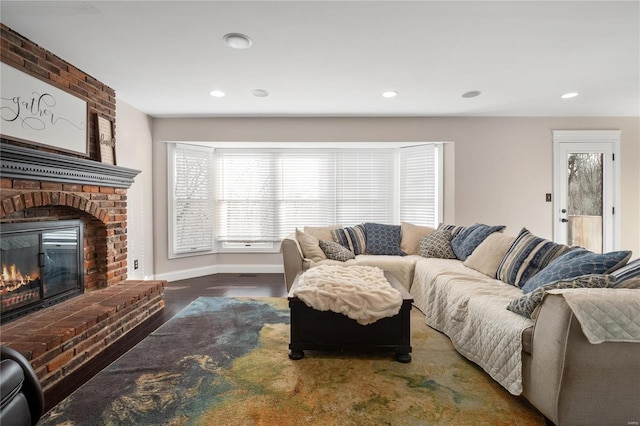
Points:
[[230, 199]]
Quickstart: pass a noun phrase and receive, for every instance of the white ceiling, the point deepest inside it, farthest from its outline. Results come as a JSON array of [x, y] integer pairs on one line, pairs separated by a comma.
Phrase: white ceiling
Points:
[[335, 58]]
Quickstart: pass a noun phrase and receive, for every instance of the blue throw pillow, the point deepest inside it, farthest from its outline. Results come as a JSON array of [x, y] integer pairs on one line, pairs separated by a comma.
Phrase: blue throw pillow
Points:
[[470, 237], [576, 263], [528, 255], [383, 239]]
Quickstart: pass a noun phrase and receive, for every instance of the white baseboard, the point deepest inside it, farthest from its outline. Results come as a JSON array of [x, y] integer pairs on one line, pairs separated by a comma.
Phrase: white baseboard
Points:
[[219, 269]]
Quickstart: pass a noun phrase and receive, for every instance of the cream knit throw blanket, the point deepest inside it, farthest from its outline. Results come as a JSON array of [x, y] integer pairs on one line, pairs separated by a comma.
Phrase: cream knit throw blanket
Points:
[[361, 293]]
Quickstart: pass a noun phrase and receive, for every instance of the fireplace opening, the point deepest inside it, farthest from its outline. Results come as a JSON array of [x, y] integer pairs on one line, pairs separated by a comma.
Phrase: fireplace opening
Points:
[[42, 264]]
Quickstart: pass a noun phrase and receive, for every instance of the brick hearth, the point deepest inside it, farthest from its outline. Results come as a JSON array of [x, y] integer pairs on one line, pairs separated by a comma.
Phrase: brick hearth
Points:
[[61, 338]]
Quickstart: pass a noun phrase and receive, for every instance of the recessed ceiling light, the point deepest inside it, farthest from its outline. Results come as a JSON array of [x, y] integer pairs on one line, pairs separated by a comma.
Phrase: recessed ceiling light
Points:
[[569, 95], [217, 93], [471, 94], [260, 93], [390, 94], [237, 41]]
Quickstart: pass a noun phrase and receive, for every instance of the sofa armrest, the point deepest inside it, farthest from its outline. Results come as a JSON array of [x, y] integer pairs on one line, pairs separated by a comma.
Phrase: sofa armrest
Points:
[[572, 381], [292, 259]]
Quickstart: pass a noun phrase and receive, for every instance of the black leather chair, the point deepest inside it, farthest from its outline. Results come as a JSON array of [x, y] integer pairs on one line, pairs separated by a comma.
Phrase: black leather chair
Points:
[[22, 395]]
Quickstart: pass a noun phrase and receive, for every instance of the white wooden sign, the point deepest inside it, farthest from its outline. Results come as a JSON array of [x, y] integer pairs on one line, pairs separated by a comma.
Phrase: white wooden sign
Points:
[[37, 112]]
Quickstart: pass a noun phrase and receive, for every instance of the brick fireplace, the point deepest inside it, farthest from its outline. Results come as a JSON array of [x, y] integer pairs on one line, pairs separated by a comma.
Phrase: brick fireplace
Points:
[[40, 186], [62, 187], [40, 183]]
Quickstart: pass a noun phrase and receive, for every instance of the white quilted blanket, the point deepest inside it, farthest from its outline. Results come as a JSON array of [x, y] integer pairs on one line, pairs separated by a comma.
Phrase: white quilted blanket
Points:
[[605, 314], [470, 308], [361, 293]]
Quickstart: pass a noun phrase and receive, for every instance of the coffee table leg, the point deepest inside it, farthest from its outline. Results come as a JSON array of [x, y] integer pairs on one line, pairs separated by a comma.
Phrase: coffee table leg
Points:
[[296, 354], [403, 356]]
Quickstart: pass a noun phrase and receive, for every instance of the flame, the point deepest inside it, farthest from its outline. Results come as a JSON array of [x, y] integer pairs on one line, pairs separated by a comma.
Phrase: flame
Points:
[[12, 279]]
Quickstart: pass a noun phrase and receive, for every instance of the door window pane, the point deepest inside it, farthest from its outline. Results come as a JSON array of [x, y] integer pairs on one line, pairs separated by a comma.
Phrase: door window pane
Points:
[[585, 190]]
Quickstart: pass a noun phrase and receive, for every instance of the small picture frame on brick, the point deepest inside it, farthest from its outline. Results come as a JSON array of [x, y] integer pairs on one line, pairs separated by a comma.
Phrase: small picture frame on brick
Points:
[[106, 141]]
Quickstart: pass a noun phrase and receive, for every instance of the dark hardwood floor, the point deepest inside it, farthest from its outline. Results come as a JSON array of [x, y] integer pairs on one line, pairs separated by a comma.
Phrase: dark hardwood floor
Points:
[[177, 295]]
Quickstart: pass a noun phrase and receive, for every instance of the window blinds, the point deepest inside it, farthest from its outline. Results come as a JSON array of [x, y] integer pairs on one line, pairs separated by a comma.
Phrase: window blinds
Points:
[[266, 195], [419, 185], [191, 216], [365, 187]]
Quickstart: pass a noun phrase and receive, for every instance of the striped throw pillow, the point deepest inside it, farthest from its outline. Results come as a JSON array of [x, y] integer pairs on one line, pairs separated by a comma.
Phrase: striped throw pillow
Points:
[[628, 271], [527, 256], [453, 229], [352, 238]]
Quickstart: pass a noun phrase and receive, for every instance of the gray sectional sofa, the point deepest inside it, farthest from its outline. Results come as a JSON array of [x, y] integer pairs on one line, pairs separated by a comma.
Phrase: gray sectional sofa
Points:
[[537, 344]]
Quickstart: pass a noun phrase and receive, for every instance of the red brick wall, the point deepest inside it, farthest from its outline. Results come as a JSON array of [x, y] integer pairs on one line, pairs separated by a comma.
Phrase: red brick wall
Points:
[[103, 211], [27, 56]]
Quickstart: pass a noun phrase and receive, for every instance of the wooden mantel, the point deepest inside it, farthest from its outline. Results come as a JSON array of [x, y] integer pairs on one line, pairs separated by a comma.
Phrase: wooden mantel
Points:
[[18, 162]]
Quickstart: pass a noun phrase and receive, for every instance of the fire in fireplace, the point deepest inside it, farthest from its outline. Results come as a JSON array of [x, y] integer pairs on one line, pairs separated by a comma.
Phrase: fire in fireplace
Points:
[[42, 264]]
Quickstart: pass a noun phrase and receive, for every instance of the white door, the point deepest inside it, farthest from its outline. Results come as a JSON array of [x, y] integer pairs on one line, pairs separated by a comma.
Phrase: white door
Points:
[[586, 189]]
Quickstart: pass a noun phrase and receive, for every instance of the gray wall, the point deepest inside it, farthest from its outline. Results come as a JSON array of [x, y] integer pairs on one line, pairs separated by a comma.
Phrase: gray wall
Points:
[[133, 150], [497, 170]]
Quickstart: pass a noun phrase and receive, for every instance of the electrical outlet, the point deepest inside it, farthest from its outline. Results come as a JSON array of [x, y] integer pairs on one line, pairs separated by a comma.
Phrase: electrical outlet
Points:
[[135, 264], [548, 198]]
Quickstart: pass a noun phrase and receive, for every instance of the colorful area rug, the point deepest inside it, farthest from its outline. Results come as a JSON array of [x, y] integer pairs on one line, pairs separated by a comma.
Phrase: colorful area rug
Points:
[[223, 361]]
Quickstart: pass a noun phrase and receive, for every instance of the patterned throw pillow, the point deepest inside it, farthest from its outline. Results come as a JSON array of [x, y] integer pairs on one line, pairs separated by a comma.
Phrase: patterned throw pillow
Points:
[[352, 238], [628, 271], [469, 238], [528, 303], [383, 239], [527, 256], [437, 245], [575, 263], [335, 251]]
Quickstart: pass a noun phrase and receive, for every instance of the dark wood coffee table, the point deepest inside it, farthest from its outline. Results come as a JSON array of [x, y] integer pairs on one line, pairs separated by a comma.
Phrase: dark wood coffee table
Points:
[[326, 330]]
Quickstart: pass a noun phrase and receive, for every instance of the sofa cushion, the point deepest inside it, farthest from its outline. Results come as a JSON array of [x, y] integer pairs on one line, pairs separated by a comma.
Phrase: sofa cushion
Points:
[[383, 239], [352, 238], [437, 244], [335, 251], [527, 304], [488, 255], [526, 257], [411, 234], [469, 238], [626, 272], [575, 263], [310, 246], [469, 307], [401, 267]]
